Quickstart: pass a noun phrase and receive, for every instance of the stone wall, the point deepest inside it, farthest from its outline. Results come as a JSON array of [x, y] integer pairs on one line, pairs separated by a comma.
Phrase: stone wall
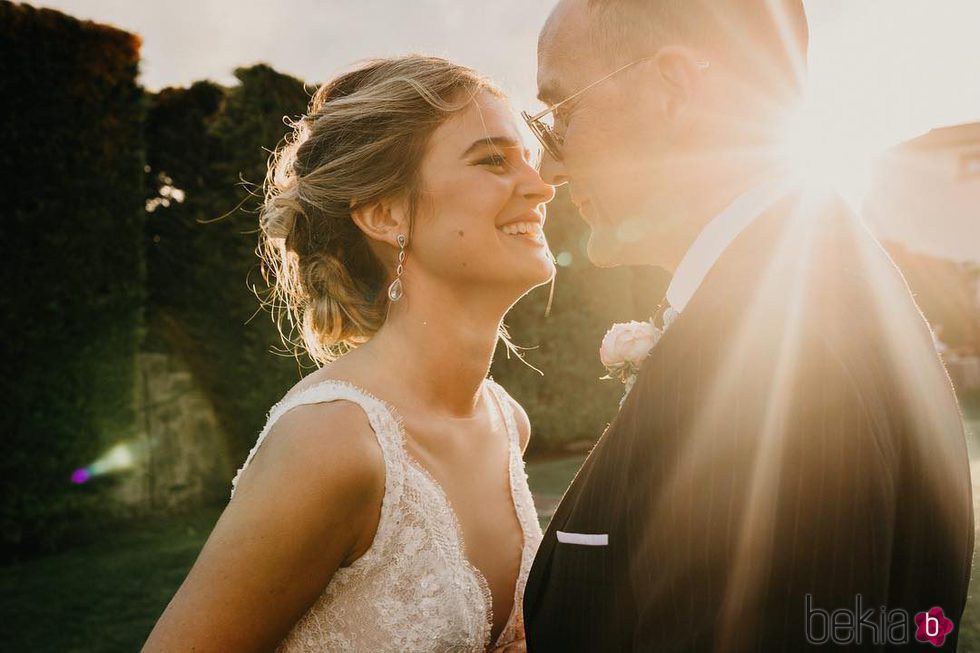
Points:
[[180, 458]]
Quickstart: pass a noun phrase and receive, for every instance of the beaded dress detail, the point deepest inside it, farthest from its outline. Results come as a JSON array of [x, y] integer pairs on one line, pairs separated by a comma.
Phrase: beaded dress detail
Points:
[[413, 589]]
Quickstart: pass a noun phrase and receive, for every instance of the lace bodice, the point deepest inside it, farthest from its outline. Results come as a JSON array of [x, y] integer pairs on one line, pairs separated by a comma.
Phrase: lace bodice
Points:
[[413, 589]]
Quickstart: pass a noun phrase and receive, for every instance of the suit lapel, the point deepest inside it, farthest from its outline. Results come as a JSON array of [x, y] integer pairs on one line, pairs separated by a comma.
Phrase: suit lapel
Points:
[[542, 559], [735, 270]]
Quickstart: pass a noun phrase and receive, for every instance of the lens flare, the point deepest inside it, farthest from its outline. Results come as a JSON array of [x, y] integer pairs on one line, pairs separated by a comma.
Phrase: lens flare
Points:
[[119, 458], [828, 151], [81, 475]]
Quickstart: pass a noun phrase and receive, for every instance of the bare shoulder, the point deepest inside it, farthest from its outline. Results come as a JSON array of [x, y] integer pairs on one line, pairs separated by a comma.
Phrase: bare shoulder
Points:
[[308, 500], [325, 445]]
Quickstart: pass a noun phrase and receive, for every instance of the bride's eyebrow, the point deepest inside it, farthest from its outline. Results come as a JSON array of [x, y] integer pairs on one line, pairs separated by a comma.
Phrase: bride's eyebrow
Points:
[[491, 141]]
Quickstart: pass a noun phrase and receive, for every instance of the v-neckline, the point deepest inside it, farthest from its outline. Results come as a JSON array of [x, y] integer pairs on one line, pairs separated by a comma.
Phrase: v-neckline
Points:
[[457, 525]]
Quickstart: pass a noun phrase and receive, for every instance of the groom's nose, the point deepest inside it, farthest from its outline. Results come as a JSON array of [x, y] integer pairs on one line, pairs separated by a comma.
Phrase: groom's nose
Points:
[[552, 170]]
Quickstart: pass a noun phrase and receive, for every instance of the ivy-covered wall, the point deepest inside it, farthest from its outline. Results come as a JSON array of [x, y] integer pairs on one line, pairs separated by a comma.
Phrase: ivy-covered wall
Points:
[[71, 160], [207, 148]]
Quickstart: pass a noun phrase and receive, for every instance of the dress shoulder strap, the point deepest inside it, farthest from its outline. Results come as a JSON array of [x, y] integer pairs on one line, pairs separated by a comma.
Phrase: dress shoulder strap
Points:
[[503, 399], [383, 420], [520, 490]]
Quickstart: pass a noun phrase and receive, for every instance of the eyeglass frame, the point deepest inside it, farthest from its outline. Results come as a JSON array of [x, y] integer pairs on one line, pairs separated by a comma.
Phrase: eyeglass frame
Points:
[[544, 132]]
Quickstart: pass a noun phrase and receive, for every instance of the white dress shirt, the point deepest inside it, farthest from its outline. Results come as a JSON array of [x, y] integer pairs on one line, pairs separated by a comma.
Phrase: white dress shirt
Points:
[[718, 234]]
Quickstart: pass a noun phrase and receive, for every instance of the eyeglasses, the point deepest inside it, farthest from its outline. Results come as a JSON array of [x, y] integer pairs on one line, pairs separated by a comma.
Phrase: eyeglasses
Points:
[[550, 140]]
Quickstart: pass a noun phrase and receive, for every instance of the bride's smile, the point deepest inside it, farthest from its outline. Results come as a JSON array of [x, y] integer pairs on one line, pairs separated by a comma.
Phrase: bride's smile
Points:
[[482, 206]]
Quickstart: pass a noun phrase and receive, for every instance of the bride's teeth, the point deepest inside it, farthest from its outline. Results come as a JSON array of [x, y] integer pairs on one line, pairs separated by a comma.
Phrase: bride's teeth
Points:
[[516, 228]]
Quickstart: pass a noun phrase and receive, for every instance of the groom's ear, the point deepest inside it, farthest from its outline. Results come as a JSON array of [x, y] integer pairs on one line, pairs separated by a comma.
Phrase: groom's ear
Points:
[[681, 80]]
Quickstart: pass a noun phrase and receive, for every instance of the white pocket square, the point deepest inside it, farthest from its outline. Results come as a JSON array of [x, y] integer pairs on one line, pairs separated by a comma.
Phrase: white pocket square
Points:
[[589, 539]]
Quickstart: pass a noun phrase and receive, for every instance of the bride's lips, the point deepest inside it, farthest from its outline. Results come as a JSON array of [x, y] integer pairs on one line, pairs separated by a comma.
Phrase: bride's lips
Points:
[[527, 227]]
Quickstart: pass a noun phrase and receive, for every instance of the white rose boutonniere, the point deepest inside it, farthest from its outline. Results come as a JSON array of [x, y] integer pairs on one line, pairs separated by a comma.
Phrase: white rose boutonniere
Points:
[[624, 348]]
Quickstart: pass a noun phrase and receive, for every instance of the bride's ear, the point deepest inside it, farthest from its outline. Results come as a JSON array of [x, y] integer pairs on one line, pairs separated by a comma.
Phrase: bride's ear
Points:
[[380, 221]]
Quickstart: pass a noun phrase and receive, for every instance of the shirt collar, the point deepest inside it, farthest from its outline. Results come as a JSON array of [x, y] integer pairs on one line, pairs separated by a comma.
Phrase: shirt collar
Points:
[[717, 235]]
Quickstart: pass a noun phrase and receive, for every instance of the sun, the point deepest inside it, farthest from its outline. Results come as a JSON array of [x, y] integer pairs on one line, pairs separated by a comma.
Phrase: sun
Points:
[[827, 150]]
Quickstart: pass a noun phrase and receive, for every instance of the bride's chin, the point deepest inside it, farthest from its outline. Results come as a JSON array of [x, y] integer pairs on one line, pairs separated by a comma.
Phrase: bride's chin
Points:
[[517, 287], [545, 274]]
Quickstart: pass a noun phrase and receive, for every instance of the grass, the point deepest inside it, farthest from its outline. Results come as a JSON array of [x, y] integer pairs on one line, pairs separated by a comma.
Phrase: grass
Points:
[[105, 598]]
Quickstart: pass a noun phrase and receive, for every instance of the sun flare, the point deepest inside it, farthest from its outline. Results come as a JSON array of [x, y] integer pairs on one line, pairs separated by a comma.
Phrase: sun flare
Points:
[[827, 150]]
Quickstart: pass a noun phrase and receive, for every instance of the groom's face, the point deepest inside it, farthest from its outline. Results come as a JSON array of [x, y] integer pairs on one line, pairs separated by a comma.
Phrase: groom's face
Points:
[[616, 139]]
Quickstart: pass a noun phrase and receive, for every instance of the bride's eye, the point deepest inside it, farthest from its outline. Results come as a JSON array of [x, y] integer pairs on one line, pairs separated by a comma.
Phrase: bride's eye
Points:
[[494, 160]]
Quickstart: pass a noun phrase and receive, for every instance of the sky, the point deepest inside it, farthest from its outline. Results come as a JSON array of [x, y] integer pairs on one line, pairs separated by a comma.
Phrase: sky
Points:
[[881, 71]]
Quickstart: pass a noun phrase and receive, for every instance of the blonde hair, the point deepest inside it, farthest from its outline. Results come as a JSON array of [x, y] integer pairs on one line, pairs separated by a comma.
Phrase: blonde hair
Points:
[[361, 141]]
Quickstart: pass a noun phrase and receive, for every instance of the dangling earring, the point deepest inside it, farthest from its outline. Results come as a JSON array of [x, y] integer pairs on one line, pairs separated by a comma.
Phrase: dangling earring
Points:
[[395, 291]]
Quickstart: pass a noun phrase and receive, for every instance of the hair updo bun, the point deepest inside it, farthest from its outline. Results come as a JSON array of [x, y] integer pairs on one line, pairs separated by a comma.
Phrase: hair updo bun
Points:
[[363, 137]]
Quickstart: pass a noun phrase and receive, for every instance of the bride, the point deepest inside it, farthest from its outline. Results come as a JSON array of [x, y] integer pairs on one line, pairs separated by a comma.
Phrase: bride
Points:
[[387, 508]]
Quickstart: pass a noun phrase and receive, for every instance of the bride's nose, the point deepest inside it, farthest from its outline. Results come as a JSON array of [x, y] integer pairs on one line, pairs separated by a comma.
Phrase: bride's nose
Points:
[[534, 188]]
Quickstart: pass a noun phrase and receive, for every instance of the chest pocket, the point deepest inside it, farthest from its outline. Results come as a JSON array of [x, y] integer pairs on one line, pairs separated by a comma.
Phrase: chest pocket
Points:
[[583, 557]]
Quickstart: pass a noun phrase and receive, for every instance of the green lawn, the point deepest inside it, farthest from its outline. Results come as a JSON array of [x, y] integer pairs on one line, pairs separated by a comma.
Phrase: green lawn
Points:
[[106, 598], [103, 597]]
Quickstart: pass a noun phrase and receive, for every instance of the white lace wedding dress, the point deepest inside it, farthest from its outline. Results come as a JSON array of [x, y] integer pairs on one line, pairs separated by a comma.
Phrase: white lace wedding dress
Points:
[[414, 589]]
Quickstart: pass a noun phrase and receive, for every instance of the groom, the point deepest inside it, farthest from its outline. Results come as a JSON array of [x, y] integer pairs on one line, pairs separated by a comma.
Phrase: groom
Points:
[[789, 471]]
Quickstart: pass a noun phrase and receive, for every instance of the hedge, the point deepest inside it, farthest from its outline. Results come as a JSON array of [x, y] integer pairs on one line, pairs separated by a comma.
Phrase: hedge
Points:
[[71, 156], [212, 143]]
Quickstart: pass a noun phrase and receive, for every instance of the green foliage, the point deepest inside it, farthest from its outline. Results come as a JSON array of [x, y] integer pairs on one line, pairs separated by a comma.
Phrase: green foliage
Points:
[[212, 143], [570, 403], [205, 140], [106, 596], [71, 155]]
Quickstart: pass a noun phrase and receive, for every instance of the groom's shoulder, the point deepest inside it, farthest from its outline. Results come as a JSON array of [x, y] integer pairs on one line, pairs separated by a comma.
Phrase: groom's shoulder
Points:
[[854, 275], [814, 248], [842, 294], [808, 275]]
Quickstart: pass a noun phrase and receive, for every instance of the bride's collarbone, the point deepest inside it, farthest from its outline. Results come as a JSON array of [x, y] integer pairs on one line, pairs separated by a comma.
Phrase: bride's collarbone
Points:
[[462, 459], [471, 467]]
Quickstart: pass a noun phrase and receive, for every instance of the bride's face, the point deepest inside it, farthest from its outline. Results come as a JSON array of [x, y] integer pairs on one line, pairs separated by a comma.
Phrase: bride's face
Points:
[[480, 224]]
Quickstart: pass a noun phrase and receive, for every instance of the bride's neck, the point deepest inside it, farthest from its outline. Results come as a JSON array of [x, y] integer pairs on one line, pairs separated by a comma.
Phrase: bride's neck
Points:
[[438, 350]]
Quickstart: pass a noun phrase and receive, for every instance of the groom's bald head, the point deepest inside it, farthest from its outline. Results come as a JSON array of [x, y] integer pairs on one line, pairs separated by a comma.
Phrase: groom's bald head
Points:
[[682, 99], [762, 41]]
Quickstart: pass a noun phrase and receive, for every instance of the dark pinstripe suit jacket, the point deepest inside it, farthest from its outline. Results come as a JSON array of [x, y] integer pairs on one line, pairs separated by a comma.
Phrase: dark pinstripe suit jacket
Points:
[[793, 433]]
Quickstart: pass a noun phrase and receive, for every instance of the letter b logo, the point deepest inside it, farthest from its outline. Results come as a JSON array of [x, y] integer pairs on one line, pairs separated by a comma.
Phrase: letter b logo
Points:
[[932, 626]]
